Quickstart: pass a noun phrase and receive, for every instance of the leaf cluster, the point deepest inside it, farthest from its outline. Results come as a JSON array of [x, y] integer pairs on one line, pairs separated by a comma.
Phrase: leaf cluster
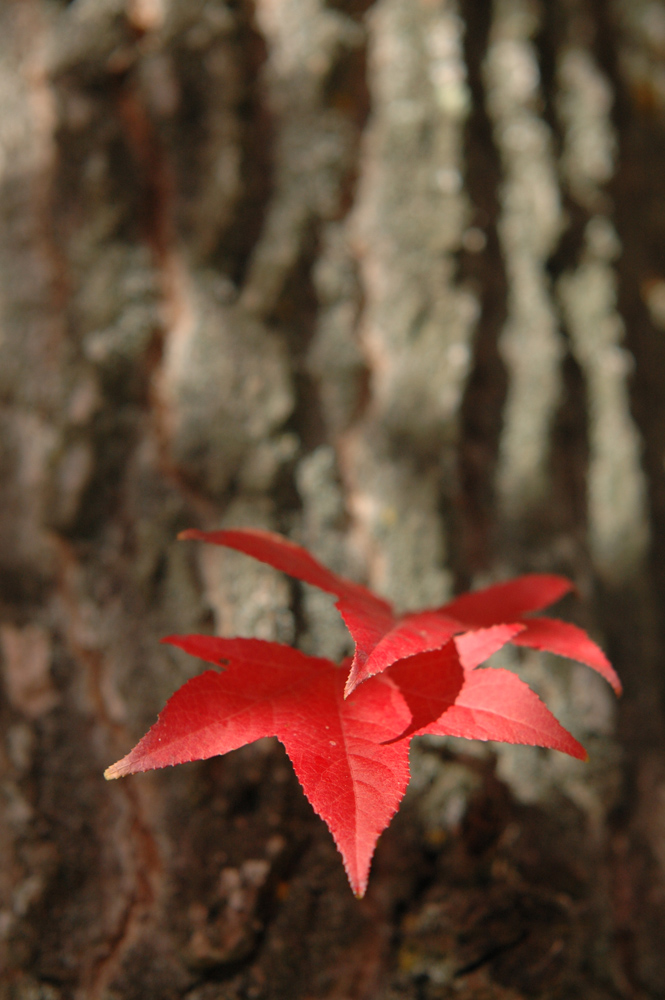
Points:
[[347, 727]]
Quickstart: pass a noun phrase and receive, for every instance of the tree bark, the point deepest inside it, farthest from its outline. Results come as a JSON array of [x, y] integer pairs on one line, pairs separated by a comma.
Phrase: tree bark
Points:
[[386, 277]]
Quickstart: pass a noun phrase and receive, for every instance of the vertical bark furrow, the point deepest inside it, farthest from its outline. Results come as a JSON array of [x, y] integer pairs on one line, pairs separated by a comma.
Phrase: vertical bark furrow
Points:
[[482, 265]]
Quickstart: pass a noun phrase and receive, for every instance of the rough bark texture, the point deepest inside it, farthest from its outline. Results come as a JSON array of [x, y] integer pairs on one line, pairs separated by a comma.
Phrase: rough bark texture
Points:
[[386, 277]]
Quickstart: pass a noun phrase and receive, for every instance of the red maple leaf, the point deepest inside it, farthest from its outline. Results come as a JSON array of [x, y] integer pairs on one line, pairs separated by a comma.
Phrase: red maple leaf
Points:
[[382, 638], [349, 747], [337, 746]]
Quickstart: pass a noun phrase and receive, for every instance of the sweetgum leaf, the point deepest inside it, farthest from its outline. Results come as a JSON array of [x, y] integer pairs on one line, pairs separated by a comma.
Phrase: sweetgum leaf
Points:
[[382, 639], [566, 639], [285, 555], [507, 602], [417, 674], [482, 623], [494, 704], [411, 634], [368, 625], [476, 647], [438, 685], [351, 779], [367, 616], [430, 683]]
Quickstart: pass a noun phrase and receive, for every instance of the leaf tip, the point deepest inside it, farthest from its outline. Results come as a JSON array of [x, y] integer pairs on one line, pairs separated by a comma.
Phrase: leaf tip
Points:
[[120, 768], [606, 670], [578, 751], [189, 533], [352, 680], [357, 881]]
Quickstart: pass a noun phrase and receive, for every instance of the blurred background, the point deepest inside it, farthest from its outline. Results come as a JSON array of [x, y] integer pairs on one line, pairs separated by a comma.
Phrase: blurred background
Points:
[[388, 278]]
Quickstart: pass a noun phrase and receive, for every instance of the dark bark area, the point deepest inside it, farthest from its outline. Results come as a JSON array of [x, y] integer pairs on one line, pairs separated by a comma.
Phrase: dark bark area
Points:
[[386, 277]]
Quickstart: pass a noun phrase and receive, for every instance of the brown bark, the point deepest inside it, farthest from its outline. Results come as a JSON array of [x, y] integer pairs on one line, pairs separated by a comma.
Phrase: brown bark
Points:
[[387, 278]]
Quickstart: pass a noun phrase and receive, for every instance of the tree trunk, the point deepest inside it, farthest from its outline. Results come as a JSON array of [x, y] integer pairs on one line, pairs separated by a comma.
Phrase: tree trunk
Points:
[[387, 278]]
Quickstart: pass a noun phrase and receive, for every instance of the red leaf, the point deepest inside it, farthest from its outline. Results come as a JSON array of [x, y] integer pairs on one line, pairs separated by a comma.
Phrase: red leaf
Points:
[[476, 647], [367, 625], [381, 639], [430, 683], [367, 616], [412, 634], [285, 555], [511, 600], [419, 675], [494, 704], [490, 704], [568, 640], [507, 602], [352, 780]]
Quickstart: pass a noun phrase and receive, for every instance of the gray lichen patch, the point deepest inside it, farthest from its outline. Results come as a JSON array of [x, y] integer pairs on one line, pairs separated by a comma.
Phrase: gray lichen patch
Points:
[[334, 357], [247, 598], [226, 388], [322, 531], [396, 526], [306, 37], [443, 788], [417, 322], [618, 526], [584, 704], [584, 106], [315, 146]]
